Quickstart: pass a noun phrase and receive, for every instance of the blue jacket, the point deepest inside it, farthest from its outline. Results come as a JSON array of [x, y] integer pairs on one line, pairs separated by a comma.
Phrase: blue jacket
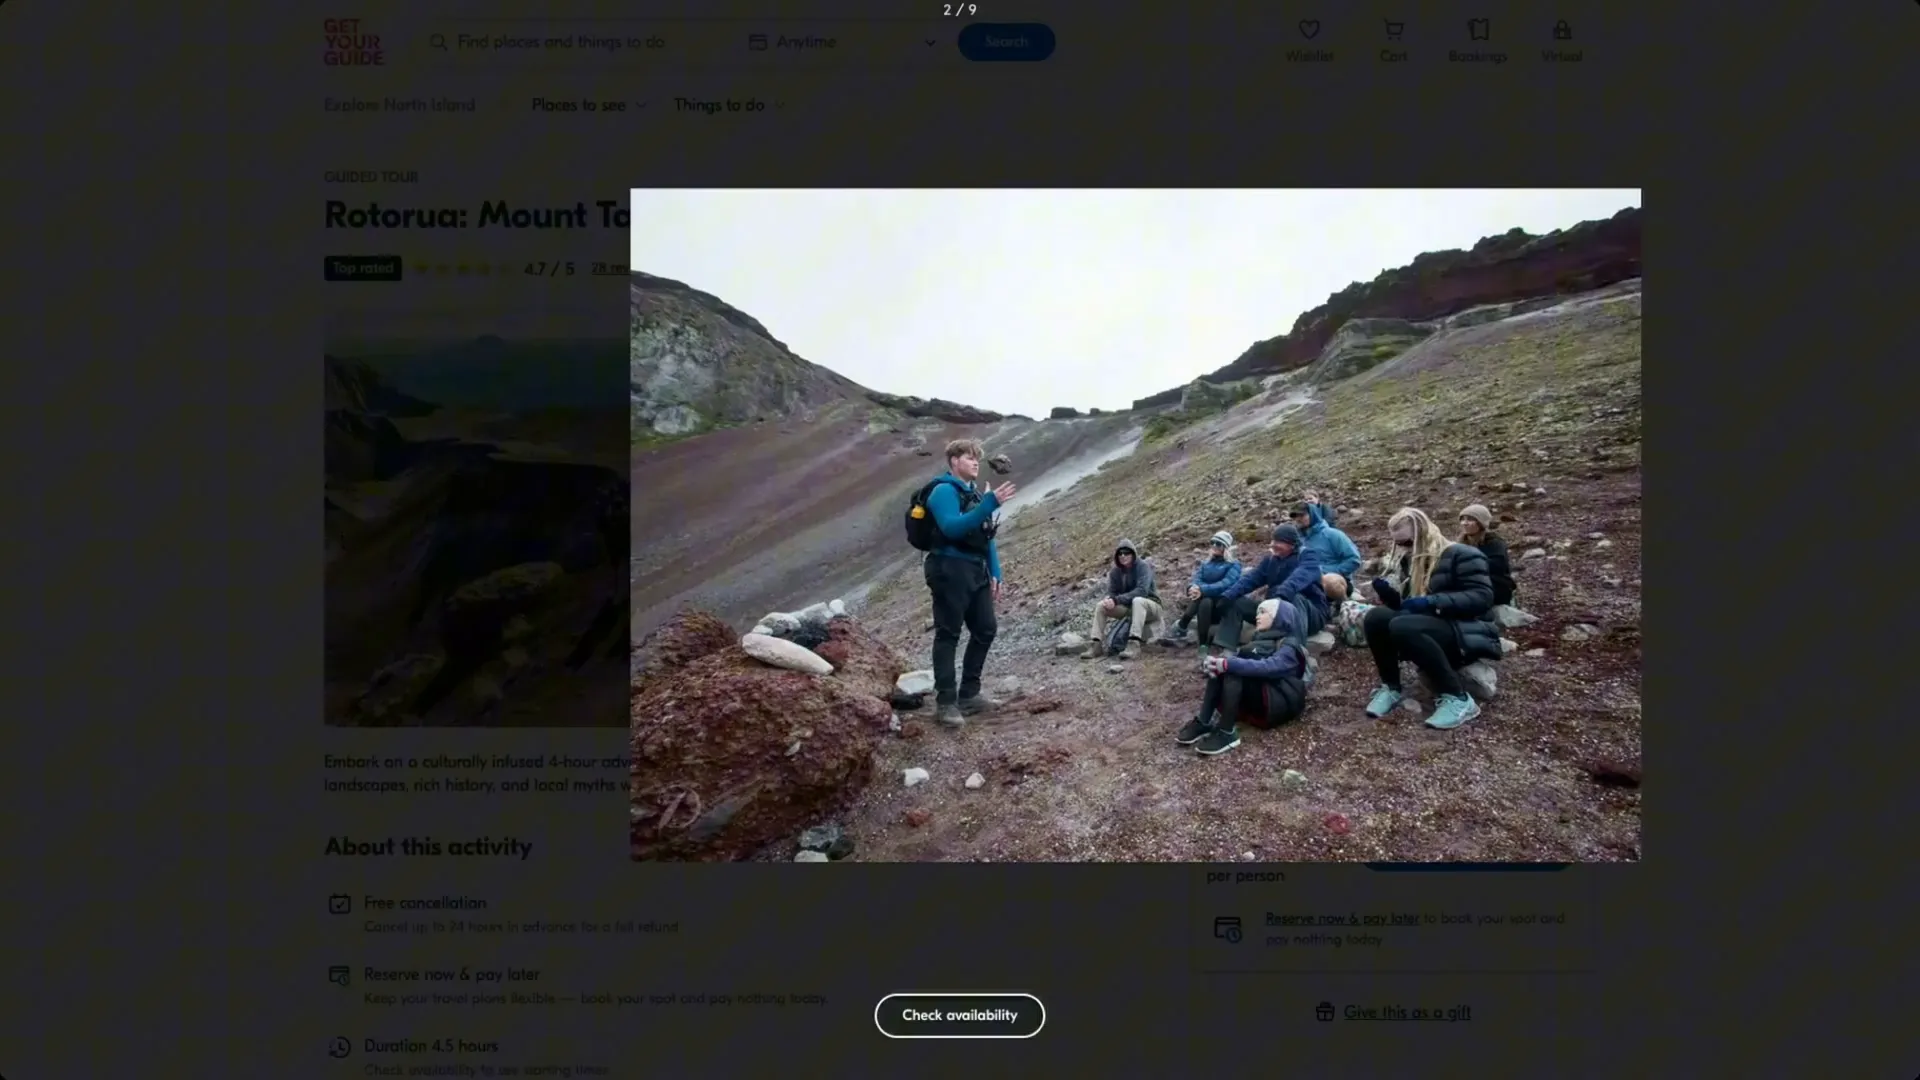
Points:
[[1332, 547], [1215, 576], [1295, 579], [943, 502]]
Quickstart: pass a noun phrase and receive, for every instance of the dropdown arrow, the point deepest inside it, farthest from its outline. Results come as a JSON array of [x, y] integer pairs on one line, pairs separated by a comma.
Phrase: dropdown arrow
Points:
[[930, 41]]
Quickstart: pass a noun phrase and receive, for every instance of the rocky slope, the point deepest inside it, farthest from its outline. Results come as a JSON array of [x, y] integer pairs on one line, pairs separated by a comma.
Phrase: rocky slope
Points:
[[1523, 396], [763, 478], [1513, 266], [696, 363], [1533, 410]]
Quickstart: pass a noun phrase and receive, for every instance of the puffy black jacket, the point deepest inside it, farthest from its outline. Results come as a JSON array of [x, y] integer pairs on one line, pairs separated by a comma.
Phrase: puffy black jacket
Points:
[[1499, 567], [1461, 587], [1275, 699]]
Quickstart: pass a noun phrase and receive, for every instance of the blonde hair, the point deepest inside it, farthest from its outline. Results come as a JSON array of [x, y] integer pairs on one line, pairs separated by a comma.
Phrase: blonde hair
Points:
[[1428, 543], [965, 448], [1334, 586]]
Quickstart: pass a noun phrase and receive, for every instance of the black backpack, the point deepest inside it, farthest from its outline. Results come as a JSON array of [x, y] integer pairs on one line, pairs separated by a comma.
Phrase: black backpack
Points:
[[922, 531]]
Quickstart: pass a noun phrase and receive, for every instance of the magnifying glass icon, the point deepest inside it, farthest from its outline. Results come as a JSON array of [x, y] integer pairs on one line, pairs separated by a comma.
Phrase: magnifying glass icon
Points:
[[438, 41]]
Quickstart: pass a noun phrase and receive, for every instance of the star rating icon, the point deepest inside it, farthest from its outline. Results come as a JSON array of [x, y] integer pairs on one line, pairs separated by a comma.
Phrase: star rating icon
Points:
[[457, 269]]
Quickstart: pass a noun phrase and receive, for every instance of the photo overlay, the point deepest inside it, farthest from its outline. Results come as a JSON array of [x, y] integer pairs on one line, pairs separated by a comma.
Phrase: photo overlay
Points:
[[476, 532], [1365, 589]]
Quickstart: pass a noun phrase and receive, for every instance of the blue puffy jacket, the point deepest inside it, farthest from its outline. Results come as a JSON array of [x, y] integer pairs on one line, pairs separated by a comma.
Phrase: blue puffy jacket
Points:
[[1215, 576]]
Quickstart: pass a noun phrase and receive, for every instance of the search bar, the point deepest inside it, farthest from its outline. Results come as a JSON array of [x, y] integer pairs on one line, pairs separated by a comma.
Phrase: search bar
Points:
[[571, 44]]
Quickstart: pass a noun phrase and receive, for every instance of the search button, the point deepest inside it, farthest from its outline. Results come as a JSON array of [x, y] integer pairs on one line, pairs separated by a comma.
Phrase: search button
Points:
[[1006, 41], [959, 1016]]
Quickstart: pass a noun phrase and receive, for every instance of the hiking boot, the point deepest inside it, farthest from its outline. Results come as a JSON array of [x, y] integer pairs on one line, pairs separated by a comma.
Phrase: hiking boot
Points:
[[971, 704], [1192, 733], [1132, 651], [1174, 638], [1095, 651], [1452, 710], [949, 715], [1384, 699], [1217, 741]]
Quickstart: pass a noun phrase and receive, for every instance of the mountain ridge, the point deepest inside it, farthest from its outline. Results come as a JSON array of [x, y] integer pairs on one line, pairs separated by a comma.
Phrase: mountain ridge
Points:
[[1502, 268]]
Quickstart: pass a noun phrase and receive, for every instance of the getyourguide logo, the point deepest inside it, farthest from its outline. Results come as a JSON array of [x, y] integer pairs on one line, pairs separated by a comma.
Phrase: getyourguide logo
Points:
[[350, 46]]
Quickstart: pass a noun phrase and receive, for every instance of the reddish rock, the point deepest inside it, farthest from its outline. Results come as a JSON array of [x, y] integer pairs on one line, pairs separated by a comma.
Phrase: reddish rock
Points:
[[918, 817], [860, 660], [730, 755], [1499, 269], [686, 637]]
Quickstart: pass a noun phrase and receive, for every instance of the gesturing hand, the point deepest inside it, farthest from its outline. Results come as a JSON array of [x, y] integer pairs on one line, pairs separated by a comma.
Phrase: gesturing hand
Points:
[[1005, 491]]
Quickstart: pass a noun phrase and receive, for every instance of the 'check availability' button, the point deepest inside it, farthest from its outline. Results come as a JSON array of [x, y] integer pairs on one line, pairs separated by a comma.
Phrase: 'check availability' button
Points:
[[959, 1016]]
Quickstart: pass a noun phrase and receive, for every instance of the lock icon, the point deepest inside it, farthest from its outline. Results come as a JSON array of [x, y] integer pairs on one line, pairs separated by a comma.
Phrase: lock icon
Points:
[[1562, 30], [1324, 1011]]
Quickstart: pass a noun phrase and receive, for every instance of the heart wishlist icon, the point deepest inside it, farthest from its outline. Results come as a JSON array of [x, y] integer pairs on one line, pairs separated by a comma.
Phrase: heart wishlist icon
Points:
[[1309, 28]]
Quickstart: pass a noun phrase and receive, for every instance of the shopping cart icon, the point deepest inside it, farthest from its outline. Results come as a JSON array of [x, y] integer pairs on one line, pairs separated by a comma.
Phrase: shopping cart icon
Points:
[[1394, 29]]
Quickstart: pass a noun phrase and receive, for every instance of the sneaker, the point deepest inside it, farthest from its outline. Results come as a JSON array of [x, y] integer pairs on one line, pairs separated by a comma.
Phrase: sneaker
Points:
[[1192, 732], [1452, 710], [1217, 741], [949, 715], [1384, 699], [1095, 651], [1173, 639], [971, 704], [1132, 651]]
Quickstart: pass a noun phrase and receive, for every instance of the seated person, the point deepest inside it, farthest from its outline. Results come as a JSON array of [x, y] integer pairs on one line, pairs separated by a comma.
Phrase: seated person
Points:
[[1476, 528], [1290, 573], [1130, 596], [1332, 547], [1265, 682], [1210, 579], [1346, 613], [1432, 611]]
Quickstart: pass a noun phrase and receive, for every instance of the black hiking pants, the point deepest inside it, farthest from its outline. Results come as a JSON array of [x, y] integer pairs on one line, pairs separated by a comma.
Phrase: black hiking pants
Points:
[[962, 597], [1238, 615], [1430, 642], [1201, 613], [1227, 693]]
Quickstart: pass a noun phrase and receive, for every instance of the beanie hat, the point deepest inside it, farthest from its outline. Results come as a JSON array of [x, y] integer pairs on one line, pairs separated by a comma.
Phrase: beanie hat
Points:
[[1286, 534], [1480, 514], [1223, 538]]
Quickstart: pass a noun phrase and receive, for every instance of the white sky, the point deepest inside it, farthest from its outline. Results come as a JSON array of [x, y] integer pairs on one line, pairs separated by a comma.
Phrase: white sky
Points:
[[1018, 301]]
